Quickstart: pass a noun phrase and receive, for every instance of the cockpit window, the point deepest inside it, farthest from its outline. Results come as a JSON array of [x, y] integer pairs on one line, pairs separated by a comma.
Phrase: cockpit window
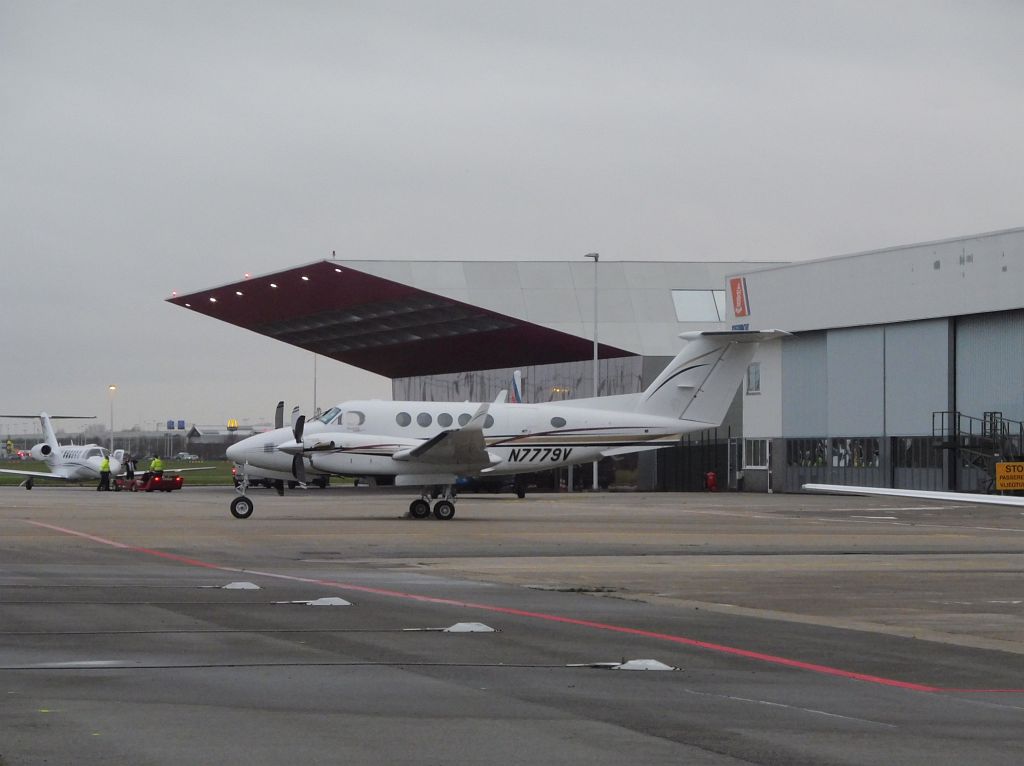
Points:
[[94, 452], [353, 419], [329, 416]]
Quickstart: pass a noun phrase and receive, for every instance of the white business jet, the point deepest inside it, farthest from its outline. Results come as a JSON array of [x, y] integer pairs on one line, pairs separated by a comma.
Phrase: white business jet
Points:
[[921, 494], [70, 462], [430, 444]]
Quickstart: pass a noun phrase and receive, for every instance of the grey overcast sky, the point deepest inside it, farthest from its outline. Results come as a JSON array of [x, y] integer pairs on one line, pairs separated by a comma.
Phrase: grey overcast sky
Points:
[[147, 147]]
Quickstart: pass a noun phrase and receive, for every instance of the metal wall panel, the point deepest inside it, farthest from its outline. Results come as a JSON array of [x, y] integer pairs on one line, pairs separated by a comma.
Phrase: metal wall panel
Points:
[[856, 381], [804, 385], [916, 376], [990, 364]]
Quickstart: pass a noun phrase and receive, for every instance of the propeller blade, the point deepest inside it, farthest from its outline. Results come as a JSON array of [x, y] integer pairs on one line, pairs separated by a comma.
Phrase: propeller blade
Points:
[[299, 468], [300, 426], [279, 415]]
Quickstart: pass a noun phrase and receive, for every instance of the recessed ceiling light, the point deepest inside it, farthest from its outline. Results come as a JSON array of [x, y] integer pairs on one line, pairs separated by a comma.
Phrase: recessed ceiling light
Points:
[[238, 292], [213, 300], [338, 270], [273, 285], [305, 279], [188, 305]]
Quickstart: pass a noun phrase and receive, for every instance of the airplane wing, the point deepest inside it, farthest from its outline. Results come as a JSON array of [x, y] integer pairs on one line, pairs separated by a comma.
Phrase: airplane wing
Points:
[[459, 446], [954, 497], [139, 471], [33, 474]]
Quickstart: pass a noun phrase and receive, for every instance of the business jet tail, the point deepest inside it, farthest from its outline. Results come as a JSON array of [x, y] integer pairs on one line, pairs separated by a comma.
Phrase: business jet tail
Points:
[[700, 383], [49, 448]]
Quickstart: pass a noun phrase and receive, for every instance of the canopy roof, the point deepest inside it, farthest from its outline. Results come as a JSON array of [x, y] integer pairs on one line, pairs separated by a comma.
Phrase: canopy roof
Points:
[[383, 326]]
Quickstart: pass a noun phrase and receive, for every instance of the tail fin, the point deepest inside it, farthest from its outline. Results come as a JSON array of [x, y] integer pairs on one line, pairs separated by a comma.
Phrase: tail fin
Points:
[[49, 437], [517, 387], [700, 383]]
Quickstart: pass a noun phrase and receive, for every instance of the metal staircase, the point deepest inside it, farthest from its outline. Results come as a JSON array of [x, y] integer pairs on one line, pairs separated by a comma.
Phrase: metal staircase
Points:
[[979, 442]]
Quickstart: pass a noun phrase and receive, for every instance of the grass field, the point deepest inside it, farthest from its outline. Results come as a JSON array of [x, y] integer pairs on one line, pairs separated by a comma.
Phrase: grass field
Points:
[[220, 475]]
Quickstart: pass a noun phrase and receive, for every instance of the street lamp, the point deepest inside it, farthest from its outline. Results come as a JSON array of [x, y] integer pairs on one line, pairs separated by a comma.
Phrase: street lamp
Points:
[[113, 390], [596, 257]]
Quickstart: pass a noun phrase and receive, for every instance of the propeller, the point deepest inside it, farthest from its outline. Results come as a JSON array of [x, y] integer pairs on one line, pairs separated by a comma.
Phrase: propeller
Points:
[[298, 466]]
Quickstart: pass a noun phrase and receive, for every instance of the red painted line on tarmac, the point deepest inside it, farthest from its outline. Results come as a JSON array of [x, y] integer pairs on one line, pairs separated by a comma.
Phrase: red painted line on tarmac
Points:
[[720, 648]]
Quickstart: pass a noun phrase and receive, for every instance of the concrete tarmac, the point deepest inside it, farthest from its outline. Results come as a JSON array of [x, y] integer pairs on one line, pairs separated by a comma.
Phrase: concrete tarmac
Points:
[[803, 629]]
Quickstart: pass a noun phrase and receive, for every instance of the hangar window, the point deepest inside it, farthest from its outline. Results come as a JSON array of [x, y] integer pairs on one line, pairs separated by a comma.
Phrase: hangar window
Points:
[[558, 422], [855, 453], [488, 421], [464, 418], [424, 419], [403, 419], [754, 378], [917, 452], [444, 420], [807, 452], [755, 453], [699, 305]]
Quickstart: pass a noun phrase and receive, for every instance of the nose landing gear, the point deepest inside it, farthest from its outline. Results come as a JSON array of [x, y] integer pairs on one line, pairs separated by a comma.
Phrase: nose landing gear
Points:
[[242, 507]]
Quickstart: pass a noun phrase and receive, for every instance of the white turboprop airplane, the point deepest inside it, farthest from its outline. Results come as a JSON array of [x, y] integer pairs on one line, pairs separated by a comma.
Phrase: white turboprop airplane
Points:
[[922, 494], [70, 462], [431, 444]]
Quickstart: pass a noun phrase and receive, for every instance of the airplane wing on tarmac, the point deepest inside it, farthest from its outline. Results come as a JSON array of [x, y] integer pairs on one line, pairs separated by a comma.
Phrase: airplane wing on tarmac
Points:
[[458, 446], [954, 497], [34, 474]]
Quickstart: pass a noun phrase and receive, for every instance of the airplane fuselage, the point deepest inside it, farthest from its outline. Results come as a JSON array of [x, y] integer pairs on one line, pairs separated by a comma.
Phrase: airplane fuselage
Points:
[[360, 438]]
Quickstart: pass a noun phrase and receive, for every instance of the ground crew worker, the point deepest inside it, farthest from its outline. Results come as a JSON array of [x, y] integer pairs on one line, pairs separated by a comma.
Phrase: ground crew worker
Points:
[[104, 485], [156, 467]]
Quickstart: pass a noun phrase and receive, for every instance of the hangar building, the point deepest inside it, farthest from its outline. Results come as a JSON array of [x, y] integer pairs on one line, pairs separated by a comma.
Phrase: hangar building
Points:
[[906, 367]]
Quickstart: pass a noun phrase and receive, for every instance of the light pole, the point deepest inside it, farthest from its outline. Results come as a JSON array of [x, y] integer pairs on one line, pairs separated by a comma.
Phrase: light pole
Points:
[[596, 257], [113, 390]]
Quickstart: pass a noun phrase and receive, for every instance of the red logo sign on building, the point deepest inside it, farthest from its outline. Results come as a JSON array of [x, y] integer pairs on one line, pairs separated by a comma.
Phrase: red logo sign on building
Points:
[[740, 304]]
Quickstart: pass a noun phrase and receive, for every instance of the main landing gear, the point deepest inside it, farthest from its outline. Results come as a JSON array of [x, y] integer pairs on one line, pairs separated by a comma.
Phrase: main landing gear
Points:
[[444, 508]]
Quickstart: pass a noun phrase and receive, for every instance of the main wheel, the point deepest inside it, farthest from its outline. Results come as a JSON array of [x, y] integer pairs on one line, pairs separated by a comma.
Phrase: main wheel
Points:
[[444, 510], [419, 509], [241, 507]]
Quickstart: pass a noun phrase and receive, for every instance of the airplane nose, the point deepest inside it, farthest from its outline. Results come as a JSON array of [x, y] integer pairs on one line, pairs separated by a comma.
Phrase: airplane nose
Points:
[[234, 452]]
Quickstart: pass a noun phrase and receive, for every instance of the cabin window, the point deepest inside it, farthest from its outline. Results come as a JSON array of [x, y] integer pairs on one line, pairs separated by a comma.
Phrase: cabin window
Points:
[[424, 419], [444, 420], [464, 418], [558, 422], [488, 421], [403, 419]]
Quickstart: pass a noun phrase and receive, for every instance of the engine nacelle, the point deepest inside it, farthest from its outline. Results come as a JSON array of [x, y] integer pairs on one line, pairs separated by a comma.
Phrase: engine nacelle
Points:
[[41, 451]]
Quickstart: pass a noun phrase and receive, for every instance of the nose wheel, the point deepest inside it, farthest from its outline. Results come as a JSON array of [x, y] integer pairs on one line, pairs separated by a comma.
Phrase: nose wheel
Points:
[[241, 507]]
